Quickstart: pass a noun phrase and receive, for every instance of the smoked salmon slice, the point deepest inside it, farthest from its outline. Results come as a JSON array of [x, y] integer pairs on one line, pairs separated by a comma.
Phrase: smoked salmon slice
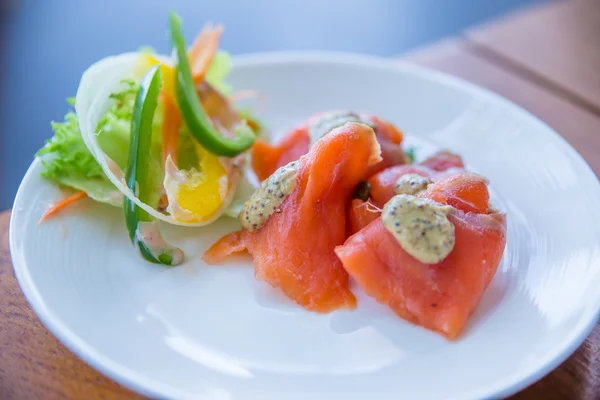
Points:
[[360, 214], [467, 192], [266, 158], [438, 165], [294, 249], [443, 160], [383, 183], [382, 187], [441, 296]]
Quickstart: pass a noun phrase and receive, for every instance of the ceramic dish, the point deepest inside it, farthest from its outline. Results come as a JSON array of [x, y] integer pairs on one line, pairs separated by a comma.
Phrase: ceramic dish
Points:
[[213, 332]]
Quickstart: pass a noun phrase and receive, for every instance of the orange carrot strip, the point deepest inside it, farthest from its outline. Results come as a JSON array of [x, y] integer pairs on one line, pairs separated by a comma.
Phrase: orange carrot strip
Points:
[[203, 51], [200, 41], [63, 203]]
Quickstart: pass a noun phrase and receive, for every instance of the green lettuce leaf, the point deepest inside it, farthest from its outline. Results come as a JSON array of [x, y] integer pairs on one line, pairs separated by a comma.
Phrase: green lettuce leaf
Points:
[[67, 161], [218, 71]]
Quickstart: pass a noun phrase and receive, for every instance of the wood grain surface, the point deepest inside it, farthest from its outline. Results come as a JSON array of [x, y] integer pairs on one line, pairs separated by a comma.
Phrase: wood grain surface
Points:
[[558, 44], [33, 364], [517, 58], [577, 125]]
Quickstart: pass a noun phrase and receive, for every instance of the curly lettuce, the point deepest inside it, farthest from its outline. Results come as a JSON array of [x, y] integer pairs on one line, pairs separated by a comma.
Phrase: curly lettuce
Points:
[[218, 71], [67, 161]]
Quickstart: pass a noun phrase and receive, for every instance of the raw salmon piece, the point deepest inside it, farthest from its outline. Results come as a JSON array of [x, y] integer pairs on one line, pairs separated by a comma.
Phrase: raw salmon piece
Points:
[[435, 167], [383, 183], [360, 214], [266, 158], [444, 160], [440, 297], [226, 246], [390, 141], [293, 250], [467, 192]]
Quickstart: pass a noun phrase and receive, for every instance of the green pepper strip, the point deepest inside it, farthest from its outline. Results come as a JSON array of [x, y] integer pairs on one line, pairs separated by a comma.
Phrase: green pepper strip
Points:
[[191, 109], [136, 175]]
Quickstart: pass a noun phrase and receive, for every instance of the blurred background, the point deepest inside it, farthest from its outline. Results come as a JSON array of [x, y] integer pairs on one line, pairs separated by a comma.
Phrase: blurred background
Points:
[[45, 45]]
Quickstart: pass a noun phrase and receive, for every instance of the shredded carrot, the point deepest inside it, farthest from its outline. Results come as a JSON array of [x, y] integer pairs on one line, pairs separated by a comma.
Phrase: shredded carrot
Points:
[[203, 50], [200, 41], [170, 131], [63, 203]]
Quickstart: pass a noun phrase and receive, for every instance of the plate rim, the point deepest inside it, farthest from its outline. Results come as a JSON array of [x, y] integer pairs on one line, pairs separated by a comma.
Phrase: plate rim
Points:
[[135, 381]]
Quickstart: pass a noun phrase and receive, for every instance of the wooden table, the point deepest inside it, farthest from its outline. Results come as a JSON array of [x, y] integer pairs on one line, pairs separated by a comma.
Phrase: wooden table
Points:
[[546, 59]]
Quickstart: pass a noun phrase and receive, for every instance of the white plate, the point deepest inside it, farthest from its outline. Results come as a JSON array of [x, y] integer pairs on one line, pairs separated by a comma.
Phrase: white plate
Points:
[[215, 333]]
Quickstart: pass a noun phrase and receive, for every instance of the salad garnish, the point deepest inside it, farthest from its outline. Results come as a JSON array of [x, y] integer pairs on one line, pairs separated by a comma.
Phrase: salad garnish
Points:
[[159, 136], [75, 197], [337, 197]]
